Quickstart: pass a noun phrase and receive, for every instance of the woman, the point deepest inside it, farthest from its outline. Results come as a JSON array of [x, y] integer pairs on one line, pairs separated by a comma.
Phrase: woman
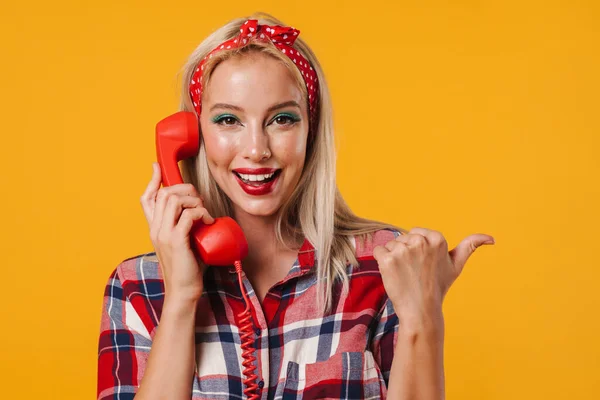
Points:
[[343, 307]]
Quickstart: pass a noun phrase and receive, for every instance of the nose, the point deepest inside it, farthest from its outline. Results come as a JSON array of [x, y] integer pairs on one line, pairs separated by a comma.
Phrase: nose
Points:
[[256, 144]]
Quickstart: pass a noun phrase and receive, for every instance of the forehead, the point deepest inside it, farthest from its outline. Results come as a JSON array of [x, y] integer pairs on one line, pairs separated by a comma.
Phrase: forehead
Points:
[[252, 80]]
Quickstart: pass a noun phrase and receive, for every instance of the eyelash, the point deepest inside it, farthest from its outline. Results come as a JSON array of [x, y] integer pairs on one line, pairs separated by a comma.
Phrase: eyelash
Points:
[[292, 119], [219, 119]]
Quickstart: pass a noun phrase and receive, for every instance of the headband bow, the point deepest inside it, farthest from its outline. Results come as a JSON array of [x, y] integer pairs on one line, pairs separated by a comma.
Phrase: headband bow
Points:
[[282, 35], [283, 38]]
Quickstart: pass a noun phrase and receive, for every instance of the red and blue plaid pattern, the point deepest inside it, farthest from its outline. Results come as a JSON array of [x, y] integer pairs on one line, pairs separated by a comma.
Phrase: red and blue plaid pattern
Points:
[[301, 353]]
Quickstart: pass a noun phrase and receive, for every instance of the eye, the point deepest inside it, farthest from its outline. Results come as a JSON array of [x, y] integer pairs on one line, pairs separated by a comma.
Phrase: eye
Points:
[[286, 119], [225, 119]]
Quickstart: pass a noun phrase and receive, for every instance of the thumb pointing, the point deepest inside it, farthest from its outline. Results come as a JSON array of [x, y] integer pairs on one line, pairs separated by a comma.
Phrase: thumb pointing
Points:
[[461, 253]]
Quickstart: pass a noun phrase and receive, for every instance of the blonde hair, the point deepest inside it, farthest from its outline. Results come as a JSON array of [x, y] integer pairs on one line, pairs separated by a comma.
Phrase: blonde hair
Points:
[[316, 209]]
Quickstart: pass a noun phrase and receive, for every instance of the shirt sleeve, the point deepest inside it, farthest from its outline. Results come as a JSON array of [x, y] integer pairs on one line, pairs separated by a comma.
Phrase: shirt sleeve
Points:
[[123, 346], [384, 339]]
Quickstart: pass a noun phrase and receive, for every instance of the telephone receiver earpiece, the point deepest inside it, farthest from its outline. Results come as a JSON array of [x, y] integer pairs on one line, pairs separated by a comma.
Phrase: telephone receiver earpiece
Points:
[[177, 137]]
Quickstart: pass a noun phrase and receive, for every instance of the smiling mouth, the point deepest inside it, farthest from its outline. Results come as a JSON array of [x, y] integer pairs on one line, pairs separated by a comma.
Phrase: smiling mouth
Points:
[[258, 180]]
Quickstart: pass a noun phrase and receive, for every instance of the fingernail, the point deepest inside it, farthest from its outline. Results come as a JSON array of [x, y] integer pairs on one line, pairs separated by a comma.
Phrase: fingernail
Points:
[[492, 241]]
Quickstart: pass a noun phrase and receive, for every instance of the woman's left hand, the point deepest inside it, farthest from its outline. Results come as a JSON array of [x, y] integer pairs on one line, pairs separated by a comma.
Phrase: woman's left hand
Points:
[[417, 270]]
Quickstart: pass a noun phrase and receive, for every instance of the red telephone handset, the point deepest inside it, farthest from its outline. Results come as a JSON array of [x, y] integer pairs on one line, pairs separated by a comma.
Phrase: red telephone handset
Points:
[[221, 243], [177, 137]]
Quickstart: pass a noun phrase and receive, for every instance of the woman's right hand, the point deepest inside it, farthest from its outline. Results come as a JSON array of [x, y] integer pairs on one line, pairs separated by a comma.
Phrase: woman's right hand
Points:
[[170, 212]]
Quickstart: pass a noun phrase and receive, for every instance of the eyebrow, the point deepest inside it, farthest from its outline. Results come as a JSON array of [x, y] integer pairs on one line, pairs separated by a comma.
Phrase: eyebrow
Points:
[[226, 106]]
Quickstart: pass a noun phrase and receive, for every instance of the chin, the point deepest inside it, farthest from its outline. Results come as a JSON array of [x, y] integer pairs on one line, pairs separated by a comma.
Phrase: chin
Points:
[[259, 208]]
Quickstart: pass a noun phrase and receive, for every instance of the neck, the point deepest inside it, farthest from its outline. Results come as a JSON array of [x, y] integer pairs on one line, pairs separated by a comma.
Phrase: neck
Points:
[[263, 246]]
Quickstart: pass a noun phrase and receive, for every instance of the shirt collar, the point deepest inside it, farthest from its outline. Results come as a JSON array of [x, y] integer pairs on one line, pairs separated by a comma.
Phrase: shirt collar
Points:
[[306, 257]]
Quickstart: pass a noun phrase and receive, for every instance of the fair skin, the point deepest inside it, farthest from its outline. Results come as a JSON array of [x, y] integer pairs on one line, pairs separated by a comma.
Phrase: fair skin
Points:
[[255, 116], [417, 271], [244, 125]]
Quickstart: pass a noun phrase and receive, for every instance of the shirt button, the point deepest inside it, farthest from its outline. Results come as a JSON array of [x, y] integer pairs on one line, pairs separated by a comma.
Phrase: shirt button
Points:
[[261, 384], [257, 331]]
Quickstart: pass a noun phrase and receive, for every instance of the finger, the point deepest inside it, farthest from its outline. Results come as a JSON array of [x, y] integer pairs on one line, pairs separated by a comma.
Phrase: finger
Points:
[[433, 237], [175, 206], [182, 189], [148, 198], [394, 243], [420, 231], [379, 252], [461, 253], [189, 216], [412, 240]]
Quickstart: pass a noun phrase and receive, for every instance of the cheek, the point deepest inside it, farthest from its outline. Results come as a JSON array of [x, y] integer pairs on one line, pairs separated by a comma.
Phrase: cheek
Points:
[[292, 149], [219, 148]]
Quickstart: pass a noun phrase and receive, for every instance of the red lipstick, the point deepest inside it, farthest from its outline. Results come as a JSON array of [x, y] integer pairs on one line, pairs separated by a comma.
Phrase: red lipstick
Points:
[[256, 189], [255, 170]]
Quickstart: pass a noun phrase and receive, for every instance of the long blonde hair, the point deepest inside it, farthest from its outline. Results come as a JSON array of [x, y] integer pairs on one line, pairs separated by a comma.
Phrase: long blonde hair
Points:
[[316, 209]]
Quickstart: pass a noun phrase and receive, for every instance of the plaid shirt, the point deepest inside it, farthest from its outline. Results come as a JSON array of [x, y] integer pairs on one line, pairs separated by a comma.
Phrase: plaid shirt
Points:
[[301, 353]]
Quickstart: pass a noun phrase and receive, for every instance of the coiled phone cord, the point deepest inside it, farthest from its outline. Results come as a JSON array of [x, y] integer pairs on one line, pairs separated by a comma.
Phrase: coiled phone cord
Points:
[[247, 340]]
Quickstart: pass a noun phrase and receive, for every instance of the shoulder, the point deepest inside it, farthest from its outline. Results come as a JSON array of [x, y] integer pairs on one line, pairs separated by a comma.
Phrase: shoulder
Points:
[[364, 244], [142, 270], [365, 280], [134, 294]]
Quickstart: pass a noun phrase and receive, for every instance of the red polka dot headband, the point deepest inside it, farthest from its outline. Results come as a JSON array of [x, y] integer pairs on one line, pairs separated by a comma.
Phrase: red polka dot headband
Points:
[[282, 37]]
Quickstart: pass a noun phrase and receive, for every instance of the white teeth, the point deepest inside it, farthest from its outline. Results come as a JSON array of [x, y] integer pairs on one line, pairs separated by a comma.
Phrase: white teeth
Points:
[[256, 177]]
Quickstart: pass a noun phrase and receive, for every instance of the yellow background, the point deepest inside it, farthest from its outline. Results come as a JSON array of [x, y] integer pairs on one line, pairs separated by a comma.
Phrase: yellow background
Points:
[[480, 116]]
